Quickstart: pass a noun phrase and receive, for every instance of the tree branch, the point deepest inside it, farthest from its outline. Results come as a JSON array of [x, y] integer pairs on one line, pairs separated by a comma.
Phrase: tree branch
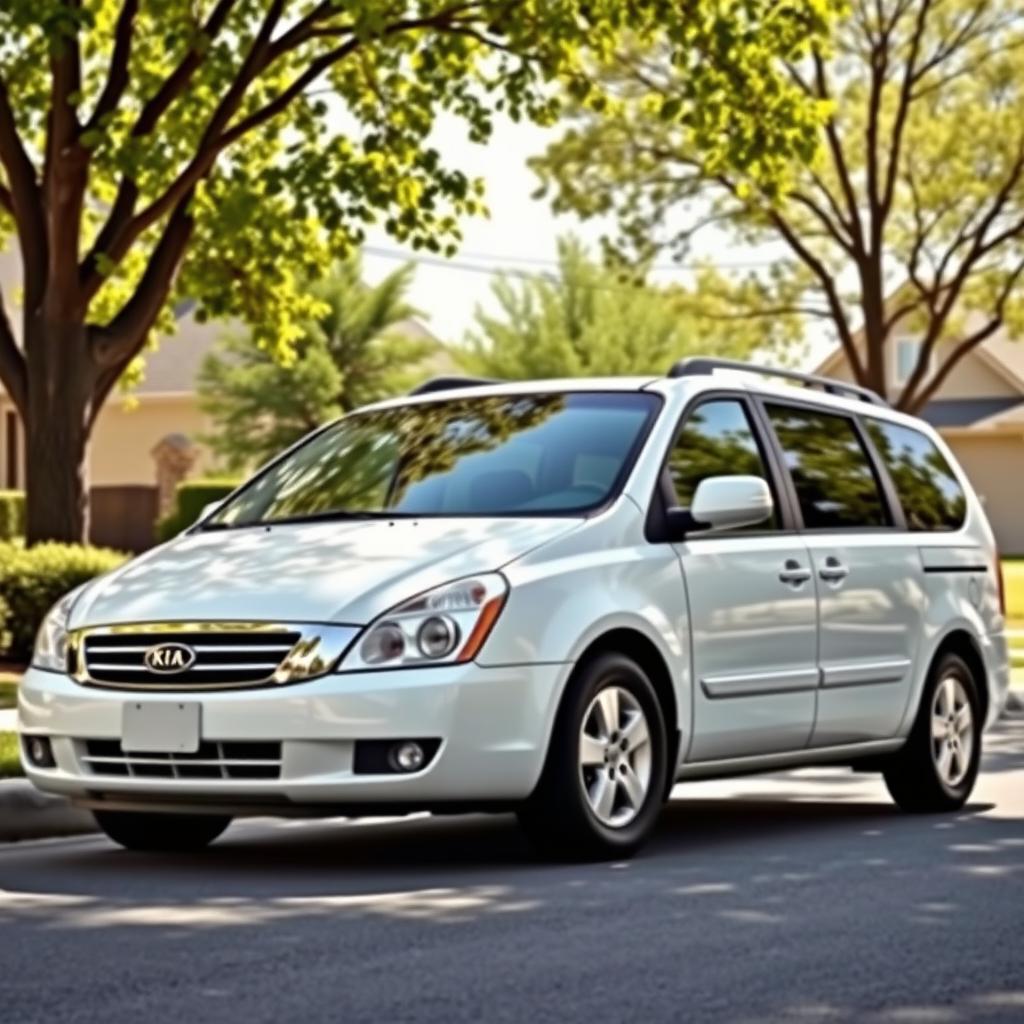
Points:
[[26, 203], [843, 241], [903, 110], [913, 402], [117, 75], [979, 248], [217, 136], [835, 147], [116, 344], [127, 195]]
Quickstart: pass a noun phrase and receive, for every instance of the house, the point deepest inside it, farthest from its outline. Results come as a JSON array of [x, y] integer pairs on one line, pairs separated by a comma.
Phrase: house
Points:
[[979, 411], [145, 442]]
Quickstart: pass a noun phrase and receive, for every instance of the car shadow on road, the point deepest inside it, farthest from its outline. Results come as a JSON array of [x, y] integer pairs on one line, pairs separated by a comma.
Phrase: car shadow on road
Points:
[[292, 859]]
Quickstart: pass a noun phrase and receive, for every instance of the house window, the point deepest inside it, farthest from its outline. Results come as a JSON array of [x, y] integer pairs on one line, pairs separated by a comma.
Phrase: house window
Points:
[[908, 351]]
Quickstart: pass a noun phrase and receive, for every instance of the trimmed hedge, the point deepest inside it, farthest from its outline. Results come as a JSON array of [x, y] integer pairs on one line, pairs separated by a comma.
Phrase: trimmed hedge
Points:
[[12, 514], [191, 498], [33, 579]]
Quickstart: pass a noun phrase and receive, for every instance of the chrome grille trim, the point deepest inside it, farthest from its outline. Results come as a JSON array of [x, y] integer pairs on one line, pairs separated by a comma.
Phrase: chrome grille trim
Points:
[[253, 654]]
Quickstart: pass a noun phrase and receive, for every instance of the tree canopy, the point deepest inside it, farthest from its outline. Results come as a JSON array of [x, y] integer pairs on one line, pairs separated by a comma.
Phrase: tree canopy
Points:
[[595, 320], [354, 352], [224, 150], [907, 219]]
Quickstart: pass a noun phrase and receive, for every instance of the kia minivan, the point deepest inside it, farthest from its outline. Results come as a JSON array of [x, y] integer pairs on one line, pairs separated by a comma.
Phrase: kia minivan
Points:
[[555, 598]]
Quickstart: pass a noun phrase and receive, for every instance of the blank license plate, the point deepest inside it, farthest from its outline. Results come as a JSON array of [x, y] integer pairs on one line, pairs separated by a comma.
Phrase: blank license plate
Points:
[[164, 727]]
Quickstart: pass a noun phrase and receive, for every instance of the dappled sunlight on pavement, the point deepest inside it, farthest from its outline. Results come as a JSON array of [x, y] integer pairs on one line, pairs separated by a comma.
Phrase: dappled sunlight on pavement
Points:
[[802, 896]]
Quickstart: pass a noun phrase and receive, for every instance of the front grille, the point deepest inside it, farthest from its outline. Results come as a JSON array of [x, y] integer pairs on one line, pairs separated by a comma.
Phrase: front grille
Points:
[[222, 658], [211, 761]]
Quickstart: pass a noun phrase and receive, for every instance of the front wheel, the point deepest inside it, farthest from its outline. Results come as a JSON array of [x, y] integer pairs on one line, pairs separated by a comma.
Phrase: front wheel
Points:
[[604, 778], [937, 768], [161, 833]]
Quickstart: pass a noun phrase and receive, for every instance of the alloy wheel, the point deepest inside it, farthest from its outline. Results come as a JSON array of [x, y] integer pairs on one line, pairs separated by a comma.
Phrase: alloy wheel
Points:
[[952, 731], [615, 757]]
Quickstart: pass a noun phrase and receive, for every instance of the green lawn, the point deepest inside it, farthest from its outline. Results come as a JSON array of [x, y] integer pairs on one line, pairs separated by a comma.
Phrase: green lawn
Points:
[[9, 763], [8, 690]]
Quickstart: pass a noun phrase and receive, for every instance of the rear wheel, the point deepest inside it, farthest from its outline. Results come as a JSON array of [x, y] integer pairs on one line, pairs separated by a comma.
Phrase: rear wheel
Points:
[[170, 833], [604, 779], [937, 768]]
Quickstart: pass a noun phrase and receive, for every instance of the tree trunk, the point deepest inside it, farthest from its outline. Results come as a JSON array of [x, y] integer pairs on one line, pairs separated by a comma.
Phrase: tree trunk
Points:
[[61, 378]]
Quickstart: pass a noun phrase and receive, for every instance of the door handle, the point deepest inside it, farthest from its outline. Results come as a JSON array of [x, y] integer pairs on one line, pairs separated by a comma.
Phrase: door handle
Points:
[[833, 570], [794, 572]]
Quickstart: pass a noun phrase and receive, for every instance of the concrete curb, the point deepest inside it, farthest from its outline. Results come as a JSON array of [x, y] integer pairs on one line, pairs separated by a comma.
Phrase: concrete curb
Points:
[[25, 813]]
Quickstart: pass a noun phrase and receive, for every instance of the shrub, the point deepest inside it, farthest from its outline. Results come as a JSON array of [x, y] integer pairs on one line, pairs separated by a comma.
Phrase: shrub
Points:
[[191, 498], [33, 579], [12, 514]]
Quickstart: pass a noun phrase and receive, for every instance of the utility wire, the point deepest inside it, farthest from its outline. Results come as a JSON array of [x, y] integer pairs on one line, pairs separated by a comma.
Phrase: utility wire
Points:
[[493, 264]]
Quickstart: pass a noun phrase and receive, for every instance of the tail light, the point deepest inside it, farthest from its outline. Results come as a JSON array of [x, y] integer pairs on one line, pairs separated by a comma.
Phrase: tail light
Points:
[[1001, 584]]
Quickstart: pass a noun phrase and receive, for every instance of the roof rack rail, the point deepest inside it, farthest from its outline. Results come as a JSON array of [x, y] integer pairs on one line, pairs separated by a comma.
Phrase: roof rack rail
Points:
[[450, 384], [703, 365]]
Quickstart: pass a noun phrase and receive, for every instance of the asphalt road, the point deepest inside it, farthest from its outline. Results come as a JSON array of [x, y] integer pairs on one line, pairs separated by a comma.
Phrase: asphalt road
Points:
[[802, 897]]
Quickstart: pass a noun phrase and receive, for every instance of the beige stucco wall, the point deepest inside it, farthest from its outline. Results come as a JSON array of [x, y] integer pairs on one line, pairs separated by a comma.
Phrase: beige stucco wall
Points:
[[123, 438], [995, 466]]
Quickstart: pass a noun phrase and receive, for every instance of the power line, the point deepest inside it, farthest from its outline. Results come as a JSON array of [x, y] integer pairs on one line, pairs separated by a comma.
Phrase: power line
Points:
[[496, 264]]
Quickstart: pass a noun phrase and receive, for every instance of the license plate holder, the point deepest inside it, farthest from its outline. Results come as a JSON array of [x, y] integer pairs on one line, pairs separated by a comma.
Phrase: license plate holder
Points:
[[160, 727]]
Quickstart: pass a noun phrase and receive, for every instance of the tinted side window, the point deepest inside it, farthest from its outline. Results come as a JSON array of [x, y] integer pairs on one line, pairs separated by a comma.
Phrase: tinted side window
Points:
[[716, 440], [834, 481], [931, 497]]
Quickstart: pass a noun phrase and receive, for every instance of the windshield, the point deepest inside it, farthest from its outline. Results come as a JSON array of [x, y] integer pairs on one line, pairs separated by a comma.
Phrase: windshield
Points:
[[509, 455]]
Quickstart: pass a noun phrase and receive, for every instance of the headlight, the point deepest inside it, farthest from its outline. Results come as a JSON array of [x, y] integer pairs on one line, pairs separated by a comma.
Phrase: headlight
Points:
[[446, 625], [51, 650]]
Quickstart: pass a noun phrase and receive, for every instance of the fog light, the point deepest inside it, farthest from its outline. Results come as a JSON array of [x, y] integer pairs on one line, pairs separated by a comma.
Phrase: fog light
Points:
[[39, 751], [408, 756]]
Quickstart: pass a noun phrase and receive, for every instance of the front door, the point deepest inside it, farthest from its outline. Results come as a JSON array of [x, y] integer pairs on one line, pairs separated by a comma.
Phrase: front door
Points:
[[753, 609]]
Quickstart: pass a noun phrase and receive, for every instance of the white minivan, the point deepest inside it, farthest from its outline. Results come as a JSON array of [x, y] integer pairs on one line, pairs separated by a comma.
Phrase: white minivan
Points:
[[557, 598]]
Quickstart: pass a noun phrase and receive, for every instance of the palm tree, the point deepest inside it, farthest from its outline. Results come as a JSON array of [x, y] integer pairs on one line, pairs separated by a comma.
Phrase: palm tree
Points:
[[353, 353]]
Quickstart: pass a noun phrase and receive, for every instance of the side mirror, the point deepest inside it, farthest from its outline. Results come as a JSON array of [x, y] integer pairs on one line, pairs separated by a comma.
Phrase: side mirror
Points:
[[724, 503]]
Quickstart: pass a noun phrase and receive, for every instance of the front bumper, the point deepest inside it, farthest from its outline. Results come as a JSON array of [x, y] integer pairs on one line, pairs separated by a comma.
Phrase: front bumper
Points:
[[493, 724]]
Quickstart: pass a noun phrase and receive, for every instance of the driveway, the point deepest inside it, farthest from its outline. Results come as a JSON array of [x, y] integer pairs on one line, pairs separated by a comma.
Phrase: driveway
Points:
[[797, 897]]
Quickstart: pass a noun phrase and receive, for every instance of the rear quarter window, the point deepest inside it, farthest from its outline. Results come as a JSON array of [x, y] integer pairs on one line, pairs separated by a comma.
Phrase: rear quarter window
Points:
[[832, 474], [929, 492]]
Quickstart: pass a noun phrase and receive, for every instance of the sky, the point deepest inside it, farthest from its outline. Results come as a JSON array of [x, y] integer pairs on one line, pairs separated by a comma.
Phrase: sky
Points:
[[520, 233]]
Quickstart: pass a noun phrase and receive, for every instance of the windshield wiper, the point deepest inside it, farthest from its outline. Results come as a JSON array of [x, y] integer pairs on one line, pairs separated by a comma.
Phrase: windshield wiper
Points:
[[335, 515]]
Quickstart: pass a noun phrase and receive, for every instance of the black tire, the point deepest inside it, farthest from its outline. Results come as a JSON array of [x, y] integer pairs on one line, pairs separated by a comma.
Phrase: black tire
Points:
[[161, 833], [558, 817], [913, 776]]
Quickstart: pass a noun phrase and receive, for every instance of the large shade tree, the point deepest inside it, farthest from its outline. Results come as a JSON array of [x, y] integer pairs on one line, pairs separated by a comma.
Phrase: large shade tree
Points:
[[909, 218], [224, 149]]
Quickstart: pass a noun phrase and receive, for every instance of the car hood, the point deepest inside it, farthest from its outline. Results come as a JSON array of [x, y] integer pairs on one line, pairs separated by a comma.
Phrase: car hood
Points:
[[343, 572]]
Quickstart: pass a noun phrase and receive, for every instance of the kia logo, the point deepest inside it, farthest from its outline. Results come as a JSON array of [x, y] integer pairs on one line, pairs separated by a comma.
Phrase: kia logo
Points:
[[168, 658]]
